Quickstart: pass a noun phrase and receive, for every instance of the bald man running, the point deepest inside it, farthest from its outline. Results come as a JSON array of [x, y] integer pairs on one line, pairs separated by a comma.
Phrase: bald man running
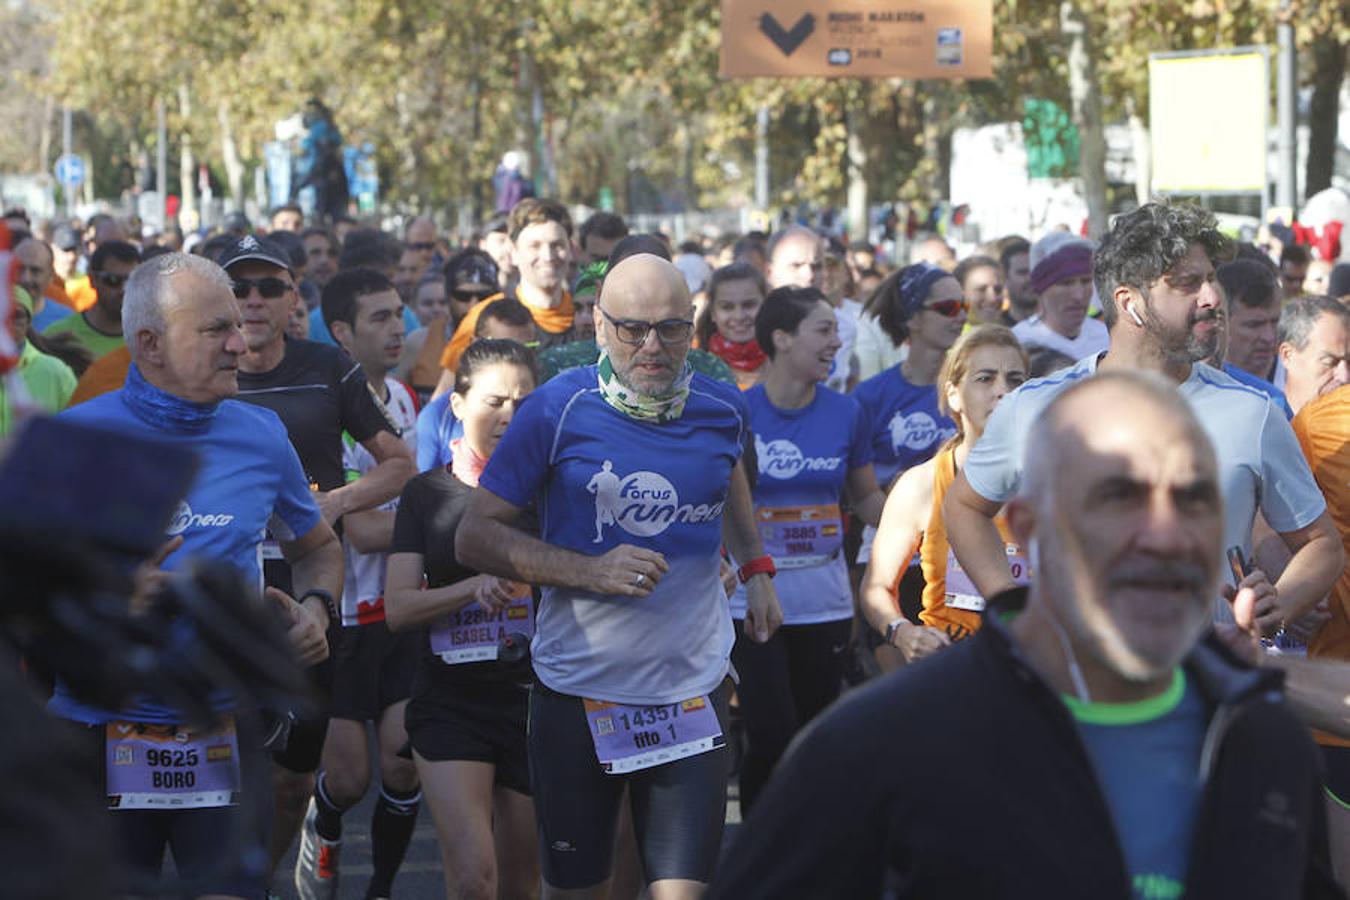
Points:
[[634, 632]]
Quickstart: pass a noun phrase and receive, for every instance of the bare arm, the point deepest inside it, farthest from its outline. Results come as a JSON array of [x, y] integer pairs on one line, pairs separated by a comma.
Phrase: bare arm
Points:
[[486, 541], [394, 466], [763, 615], [1317, 561], [412, 346], [408, 604], [446, 383], [902, 523], [975, 539], [316, 563], [370, 531], [864, 494]]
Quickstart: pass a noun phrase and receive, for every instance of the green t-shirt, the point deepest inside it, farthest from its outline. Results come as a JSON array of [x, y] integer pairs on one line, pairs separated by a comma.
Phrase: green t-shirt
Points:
[[96, 342], [48, 381]]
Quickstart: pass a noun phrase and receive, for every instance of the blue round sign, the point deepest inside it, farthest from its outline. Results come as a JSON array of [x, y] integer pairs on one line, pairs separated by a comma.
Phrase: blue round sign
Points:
[[70, 170]]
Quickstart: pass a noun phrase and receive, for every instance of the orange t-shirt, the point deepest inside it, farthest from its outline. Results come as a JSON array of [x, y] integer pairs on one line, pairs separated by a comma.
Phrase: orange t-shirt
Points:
[[941, 600], [1323, 431], [106, 374], [555, 320], [81, 293]]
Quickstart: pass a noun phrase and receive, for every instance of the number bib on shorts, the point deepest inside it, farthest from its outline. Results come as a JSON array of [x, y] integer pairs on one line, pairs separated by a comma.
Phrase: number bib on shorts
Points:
[[960, 590], [801, 536], [472, 634], [167, 767], [628, 738]]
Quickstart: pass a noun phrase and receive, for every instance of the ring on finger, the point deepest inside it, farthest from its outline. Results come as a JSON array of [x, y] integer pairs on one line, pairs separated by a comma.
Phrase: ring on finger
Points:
[[640, 580]]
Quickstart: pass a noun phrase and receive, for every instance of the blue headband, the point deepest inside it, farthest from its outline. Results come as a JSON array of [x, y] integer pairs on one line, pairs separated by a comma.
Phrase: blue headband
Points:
[[915, 283]]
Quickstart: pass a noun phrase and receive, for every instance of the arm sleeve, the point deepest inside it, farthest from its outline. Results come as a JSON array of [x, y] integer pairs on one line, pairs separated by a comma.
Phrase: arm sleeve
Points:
[[1290, 498], [859, 437], [294, 513], [362, 415], [409, 534], [994, 466], [520, 465]]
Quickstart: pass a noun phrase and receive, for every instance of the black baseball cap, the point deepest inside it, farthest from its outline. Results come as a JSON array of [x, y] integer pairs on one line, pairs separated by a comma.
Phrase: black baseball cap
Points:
[[253, 248], [470, 267]]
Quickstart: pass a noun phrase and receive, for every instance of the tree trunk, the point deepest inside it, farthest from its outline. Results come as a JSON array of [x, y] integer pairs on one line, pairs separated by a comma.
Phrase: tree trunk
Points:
[[187, 166], [1143, 153], [1087, 115], [856, 155], [1328, 71], [229, 149], [44, 153]]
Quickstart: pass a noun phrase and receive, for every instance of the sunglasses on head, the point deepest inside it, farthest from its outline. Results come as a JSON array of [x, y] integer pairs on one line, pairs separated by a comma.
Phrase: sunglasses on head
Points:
[[948, 308], [268, 288], [471, 296], [111, 279]]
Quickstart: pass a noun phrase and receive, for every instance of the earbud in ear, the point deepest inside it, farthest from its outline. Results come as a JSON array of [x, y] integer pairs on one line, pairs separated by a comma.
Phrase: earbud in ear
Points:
[[1134, 315]]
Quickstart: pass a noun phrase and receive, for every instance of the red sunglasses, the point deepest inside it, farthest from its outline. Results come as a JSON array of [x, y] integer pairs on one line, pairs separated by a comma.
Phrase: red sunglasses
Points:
[[948, 308]]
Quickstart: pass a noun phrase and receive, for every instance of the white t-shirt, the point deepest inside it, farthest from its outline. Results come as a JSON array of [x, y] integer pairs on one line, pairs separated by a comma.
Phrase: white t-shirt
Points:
[[1092, 338], [846, 314], [875, 351], [1259, 458]]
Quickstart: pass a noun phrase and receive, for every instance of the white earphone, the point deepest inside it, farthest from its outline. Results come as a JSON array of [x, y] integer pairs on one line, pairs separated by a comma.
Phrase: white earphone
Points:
[[1134, 315]]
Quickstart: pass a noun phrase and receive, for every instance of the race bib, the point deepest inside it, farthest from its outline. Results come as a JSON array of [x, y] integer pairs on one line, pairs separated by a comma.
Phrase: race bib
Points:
[[801, 536], [169, 767], [629, 738], [472, 634], [960, 590]]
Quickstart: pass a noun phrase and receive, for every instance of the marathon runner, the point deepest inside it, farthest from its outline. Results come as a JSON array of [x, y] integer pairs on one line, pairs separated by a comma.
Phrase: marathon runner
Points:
[[372, 668], [467, 715], [984, 365], [183, 327], [634, 467], [813, 446]]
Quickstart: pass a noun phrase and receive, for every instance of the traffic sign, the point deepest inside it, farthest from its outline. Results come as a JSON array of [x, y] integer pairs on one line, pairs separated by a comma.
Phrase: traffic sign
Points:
[[70, 170]]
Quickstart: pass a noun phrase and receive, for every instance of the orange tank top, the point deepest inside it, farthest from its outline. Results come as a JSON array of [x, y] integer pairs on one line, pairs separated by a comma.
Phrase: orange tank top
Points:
[[950, 601]]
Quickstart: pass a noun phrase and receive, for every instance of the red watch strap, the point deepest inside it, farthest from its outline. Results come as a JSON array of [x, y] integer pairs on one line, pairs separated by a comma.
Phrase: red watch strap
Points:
[[760, 565]]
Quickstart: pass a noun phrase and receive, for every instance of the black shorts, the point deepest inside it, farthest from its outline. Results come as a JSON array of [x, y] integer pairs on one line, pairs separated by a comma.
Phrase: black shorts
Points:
[[372, 670], [1337, 760], [477, 723], [215, 851], [304, 745], [679, 808]]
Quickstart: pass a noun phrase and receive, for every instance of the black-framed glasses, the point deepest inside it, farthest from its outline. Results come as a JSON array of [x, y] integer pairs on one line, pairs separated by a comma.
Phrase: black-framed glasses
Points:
[[422, 245], [268, 288], [112, 279], [635, 331]]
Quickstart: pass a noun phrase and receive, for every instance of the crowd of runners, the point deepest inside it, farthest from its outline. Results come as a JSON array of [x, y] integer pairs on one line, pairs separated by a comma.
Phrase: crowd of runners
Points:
[[575, 529]]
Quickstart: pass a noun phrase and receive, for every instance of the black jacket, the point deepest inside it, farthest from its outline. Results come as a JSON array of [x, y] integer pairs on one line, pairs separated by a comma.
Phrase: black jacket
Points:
[[964, 777]]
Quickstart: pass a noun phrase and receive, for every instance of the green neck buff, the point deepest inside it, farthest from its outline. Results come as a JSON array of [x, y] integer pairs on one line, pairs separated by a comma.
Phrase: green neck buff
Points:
[[664, 408]]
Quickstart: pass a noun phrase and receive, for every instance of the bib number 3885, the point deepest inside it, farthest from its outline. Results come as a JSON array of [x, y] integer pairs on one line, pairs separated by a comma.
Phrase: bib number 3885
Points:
[[629, 738]]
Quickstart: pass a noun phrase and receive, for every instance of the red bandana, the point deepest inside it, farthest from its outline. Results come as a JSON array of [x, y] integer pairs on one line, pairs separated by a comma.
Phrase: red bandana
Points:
[[743, 356]]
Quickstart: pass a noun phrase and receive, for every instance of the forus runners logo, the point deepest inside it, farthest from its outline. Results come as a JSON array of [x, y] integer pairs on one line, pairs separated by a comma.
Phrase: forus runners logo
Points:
[[917, 431], [185, 518], [783, 459], [643, 504]]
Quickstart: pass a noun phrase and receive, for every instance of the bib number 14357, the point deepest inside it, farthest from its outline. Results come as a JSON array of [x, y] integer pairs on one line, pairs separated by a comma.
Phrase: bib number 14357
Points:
[[629, 738]]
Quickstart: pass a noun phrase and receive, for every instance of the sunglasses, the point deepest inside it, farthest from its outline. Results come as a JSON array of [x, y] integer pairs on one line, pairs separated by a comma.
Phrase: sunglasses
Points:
[[422, 245], [635, 331], [111, 279], [268, 288], [948, 308], [472, 296]]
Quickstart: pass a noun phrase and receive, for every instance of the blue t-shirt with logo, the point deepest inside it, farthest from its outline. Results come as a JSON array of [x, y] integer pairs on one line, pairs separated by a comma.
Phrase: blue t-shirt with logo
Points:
[[1147, 759], [601, 479], [804, 456], [907, 427], [436, 428], [249, 479]]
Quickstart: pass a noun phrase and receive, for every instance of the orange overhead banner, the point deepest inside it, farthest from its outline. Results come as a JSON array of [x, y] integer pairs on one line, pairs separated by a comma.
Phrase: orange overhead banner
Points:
[[857, 39]]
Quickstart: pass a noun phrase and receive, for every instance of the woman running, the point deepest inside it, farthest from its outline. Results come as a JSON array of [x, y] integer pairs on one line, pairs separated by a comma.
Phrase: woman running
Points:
[[466, 717], [985, 364]]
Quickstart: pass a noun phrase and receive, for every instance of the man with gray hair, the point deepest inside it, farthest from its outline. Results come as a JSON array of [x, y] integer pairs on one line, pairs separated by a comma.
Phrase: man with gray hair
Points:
[[1092, 740], [1155, 275], [1314, 348], [183, 328]]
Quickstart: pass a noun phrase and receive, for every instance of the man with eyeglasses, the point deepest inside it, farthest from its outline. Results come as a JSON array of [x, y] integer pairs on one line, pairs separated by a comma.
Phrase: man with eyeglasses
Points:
[[420, 238], [319, 392], [634, 466], [1061, 276], [99, 328], [1162, 302]]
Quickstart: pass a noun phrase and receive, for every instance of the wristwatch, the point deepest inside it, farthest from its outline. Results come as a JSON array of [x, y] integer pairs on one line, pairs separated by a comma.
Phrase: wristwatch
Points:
[[892, 627], [328, 602]]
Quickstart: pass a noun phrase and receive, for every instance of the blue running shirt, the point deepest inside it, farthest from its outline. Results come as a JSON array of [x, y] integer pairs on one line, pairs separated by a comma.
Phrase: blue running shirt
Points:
[[804, 456], [601, 479], [907, 427], [249, 480]]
